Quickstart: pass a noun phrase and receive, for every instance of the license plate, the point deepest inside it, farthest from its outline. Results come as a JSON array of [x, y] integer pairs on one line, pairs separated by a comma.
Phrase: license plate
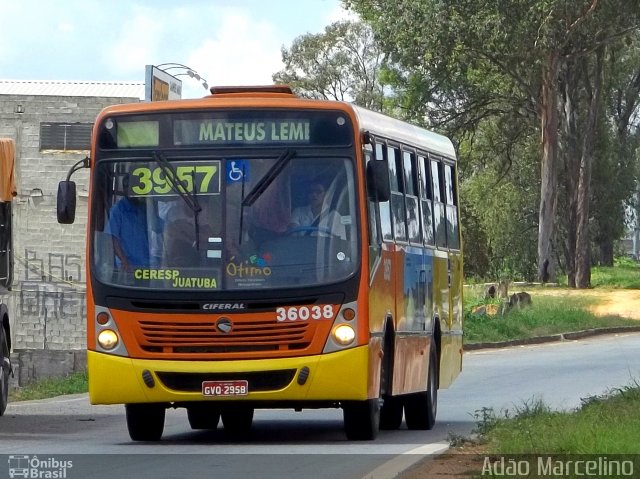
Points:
[[225, 388]]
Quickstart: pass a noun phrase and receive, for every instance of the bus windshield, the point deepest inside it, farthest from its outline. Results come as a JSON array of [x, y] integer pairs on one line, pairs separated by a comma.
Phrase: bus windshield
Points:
[[166, 220]]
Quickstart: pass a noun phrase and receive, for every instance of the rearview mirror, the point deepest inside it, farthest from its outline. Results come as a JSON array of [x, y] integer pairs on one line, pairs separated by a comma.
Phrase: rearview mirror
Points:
[[378, 188], [66, 205]]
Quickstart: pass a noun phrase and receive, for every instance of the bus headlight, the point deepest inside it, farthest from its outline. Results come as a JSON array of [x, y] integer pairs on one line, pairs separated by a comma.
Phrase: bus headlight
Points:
[[108, 339], [344, 334]]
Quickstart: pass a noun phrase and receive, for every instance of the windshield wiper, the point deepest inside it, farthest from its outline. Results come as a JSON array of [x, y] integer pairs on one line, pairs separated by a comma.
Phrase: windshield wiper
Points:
[[190, 198], [268, 177]]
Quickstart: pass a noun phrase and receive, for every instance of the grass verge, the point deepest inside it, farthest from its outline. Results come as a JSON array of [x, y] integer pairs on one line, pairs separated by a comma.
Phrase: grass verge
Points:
[[51, 387], [608, 424]]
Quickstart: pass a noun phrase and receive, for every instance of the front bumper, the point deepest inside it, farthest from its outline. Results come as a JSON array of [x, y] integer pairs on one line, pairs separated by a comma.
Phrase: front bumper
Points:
[[342, 375]]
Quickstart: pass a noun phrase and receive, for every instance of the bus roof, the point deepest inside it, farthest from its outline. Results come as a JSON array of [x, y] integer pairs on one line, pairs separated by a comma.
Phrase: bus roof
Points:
[[391, 128], [281, 95]]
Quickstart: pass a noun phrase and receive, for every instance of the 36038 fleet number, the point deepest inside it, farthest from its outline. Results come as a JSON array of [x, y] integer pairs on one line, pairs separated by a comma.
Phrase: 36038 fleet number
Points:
[[304, 313]]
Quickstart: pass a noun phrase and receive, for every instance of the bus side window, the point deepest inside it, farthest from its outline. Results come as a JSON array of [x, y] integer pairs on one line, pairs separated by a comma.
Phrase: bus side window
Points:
[[453, 228], [398, 208], [438, 203], [411, 197], [426, 199], [384, 207]]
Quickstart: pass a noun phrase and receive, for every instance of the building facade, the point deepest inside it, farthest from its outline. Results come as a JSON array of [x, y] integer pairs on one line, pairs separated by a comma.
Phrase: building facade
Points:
[[51, 124]]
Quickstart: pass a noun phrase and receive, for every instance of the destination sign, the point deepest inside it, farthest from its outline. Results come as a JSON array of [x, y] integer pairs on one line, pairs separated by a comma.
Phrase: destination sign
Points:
[[193, 132], [227, 127]]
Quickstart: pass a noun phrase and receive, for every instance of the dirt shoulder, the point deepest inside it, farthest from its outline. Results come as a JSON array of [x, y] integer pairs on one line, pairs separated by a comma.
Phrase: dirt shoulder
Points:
[[621, 302]]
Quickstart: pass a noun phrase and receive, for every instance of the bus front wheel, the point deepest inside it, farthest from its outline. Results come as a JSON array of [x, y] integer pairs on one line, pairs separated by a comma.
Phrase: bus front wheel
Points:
[[420, 408], [361, 419], [145, 421]]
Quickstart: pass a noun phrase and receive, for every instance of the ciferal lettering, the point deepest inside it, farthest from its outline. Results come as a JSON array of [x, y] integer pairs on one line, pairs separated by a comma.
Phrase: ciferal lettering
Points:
[[223, 306]]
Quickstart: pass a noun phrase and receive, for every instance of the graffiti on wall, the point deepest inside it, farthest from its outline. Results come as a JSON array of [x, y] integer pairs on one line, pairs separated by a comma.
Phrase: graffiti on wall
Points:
[[60, 267], [51, 288]]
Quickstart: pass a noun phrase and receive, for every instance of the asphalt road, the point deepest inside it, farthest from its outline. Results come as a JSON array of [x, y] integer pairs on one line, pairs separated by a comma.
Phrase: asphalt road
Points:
[[311, 444]]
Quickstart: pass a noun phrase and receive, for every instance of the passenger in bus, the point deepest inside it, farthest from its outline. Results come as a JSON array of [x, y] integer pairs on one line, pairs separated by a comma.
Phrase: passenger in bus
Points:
[[128, 226], [317, 218]]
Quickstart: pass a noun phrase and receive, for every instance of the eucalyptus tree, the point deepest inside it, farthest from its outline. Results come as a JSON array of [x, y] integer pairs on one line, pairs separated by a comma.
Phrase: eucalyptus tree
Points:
[[343, 63]]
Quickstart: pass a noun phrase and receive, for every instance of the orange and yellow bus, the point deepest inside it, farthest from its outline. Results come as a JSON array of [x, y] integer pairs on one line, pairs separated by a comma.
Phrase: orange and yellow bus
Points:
[[253, 249]]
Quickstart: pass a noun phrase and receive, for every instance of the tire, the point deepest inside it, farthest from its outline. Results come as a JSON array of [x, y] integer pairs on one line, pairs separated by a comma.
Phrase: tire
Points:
[[361, 419], [420, 408], [391, 413], [391, 409], [145, 421], [5, 371], [237, 420], [203, 417]]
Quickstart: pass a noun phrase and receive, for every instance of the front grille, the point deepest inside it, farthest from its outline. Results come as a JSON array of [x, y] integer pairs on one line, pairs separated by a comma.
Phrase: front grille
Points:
[[203, 337], [258, 381]]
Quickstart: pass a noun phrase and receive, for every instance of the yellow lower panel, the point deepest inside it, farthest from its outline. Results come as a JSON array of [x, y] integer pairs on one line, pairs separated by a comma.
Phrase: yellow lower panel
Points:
[[336, 376], [450, 359]]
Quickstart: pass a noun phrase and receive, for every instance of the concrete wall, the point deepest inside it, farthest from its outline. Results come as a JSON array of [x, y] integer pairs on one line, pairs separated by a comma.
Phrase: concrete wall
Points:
[[47, 302]]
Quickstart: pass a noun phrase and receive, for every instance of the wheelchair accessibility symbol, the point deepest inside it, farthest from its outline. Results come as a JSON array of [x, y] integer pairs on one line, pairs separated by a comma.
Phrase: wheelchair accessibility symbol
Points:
[[237, 170]]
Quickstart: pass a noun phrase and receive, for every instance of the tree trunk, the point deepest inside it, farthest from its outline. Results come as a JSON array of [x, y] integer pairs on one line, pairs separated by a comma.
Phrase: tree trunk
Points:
[[606, 252], [583, 245], [571, 154], [549, 126]]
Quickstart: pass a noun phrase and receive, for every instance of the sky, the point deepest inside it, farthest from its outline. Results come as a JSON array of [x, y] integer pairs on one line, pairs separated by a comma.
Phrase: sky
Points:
[[228, 42]]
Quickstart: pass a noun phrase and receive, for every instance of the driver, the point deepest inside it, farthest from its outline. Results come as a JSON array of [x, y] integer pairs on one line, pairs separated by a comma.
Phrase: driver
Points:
[[317, 216]]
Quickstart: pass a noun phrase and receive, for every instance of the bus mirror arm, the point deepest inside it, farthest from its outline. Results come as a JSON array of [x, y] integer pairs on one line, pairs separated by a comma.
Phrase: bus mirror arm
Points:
[[378, 187], [66, 200]]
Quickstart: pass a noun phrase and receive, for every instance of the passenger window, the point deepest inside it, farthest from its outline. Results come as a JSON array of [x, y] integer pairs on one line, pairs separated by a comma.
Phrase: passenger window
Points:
[[411, 198], [398, 209], [453, 227], [384, 207], [426, 200], [439, 220]]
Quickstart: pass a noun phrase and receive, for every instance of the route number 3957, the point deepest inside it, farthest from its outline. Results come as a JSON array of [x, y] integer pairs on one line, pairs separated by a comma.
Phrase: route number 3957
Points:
[[303, 313]]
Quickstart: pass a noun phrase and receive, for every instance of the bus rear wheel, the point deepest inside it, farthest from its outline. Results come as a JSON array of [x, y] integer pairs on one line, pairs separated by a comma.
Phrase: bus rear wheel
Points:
[[361, 419], [237, 420], [5, 371], [202, 416], [145, 421], [420, 408]]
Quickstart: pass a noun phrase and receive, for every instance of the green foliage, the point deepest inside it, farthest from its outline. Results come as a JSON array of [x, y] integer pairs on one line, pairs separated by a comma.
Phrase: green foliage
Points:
[[625, 274], [473, 70], [51, 387], [343, 63]]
